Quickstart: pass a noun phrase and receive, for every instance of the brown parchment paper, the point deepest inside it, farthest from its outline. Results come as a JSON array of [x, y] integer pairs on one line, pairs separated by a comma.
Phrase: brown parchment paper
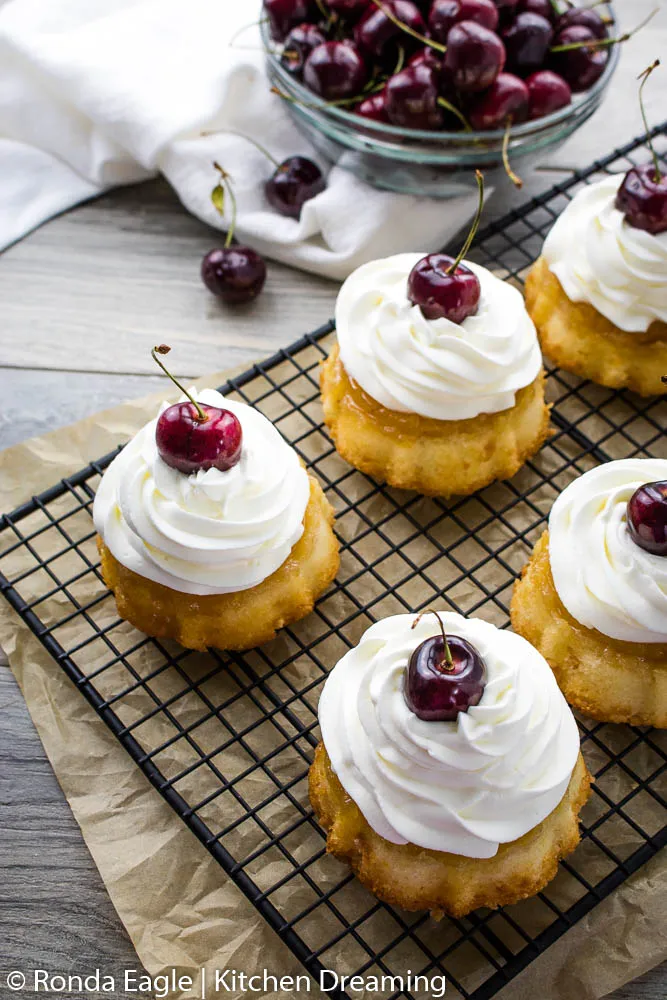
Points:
[[176, 903]]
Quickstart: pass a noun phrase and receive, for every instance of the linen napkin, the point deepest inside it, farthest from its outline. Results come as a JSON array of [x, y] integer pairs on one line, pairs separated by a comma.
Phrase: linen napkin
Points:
[[98, 93]]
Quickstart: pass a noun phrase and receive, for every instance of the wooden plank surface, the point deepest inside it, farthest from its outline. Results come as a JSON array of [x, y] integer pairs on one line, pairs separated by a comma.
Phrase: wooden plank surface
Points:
[[81, 302]]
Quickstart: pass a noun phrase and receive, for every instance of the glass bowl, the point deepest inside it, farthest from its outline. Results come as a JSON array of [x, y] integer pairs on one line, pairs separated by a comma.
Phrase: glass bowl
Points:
[[412, 161]]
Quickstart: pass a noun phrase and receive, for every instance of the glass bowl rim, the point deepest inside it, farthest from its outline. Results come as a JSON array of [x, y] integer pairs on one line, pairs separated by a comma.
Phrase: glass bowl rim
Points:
[[312, 103]]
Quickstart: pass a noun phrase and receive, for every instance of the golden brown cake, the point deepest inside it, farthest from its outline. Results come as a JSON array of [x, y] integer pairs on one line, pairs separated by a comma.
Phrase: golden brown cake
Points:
[[581, 340], [415, 878], [238, 620], [603, 628], [433, 457], [447, 785], [598, 293], [218, 555], [429, 396]]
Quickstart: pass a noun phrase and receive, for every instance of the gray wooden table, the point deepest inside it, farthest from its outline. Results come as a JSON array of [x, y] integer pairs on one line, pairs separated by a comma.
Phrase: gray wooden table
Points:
[[81, 302]]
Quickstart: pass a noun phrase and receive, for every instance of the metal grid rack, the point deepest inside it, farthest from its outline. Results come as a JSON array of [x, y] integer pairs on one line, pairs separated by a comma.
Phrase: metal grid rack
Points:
[[227, 738]]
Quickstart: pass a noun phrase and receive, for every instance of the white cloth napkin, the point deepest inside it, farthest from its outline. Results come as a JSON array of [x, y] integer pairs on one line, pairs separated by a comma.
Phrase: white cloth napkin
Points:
[[97, 93]]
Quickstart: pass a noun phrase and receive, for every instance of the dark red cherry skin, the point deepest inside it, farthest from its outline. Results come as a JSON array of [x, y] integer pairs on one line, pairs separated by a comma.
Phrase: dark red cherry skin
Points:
[[527, 39], [412, 98], [584, 18], [374, 107], [189, 444], [647, 518], [427, 57], [299, 43], [581, 67], [335, 70], [348, 8], [444, 14], [440, 295], [474, 57], [284, 15], [547, 92], [375, 30], [235, 274], [292, 184], [542, 7], [643, 199], [506, 10], [506, 99], [437, 691]]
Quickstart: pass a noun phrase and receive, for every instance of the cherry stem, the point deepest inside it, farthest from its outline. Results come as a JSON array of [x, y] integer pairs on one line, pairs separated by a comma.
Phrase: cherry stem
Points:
[[644, 77], [164, 349], [515, 179], [429, 611], [455, 111], [408, 30], [400, 62], [226, 184], [479, 176], [242, 135], [597, 43]]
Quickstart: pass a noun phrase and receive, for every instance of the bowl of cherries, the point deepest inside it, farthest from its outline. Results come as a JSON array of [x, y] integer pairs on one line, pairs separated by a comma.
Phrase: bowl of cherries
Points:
[[415, 95]]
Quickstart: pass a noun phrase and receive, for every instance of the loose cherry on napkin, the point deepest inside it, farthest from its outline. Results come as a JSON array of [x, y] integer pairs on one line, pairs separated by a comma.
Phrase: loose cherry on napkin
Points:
[[441, 285], [193, 437], [445, 676], [643, 194]]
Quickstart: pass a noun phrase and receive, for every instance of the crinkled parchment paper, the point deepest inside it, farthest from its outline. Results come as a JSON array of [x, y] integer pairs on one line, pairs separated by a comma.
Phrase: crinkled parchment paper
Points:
[[178, 906]]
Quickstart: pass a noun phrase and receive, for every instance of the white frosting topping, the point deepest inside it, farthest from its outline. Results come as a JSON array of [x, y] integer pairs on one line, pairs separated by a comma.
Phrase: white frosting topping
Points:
[[599, 258], [604, 579], [434, 368], [466, 786], [209, 532]]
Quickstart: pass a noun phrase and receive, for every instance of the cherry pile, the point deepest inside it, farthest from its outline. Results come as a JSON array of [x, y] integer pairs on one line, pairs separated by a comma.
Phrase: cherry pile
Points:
[[442, 64]]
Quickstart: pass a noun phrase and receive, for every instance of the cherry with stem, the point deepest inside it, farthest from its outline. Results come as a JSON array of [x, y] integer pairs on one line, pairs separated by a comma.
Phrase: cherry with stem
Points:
[[236, 274], [195, 437], [642, 196], [443, 286], [597, 43]]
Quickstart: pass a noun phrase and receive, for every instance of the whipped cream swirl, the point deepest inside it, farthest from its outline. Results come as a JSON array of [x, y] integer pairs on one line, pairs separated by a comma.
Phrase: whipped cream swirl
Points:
[[209, 532], [604, 579], [434, 368], [599, 258], [466, 786]]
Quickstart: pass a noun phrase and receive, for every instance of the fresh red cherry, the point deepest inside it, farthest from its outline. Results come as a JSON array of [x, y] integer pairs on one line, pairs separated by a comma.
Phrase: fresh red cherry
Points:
[[547, 92], [190, 444], [375, 30], [647, 518], [193, 436], [442, 289], [585, 18], [581, 66], [527, 40], [507, 99], [412, 98], [335, 70], [374, 107], [236, 274], [444, 14], [292, 184], [474, 58], [299, 43], [544, 8], [284, 15], [446, 676], [643, 198]]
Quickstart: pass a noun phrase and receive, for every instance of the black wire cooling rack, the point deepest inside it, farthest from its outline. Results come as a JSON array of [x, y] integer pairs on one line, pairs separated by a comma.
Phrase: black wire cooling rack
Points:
[[227, 738]]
